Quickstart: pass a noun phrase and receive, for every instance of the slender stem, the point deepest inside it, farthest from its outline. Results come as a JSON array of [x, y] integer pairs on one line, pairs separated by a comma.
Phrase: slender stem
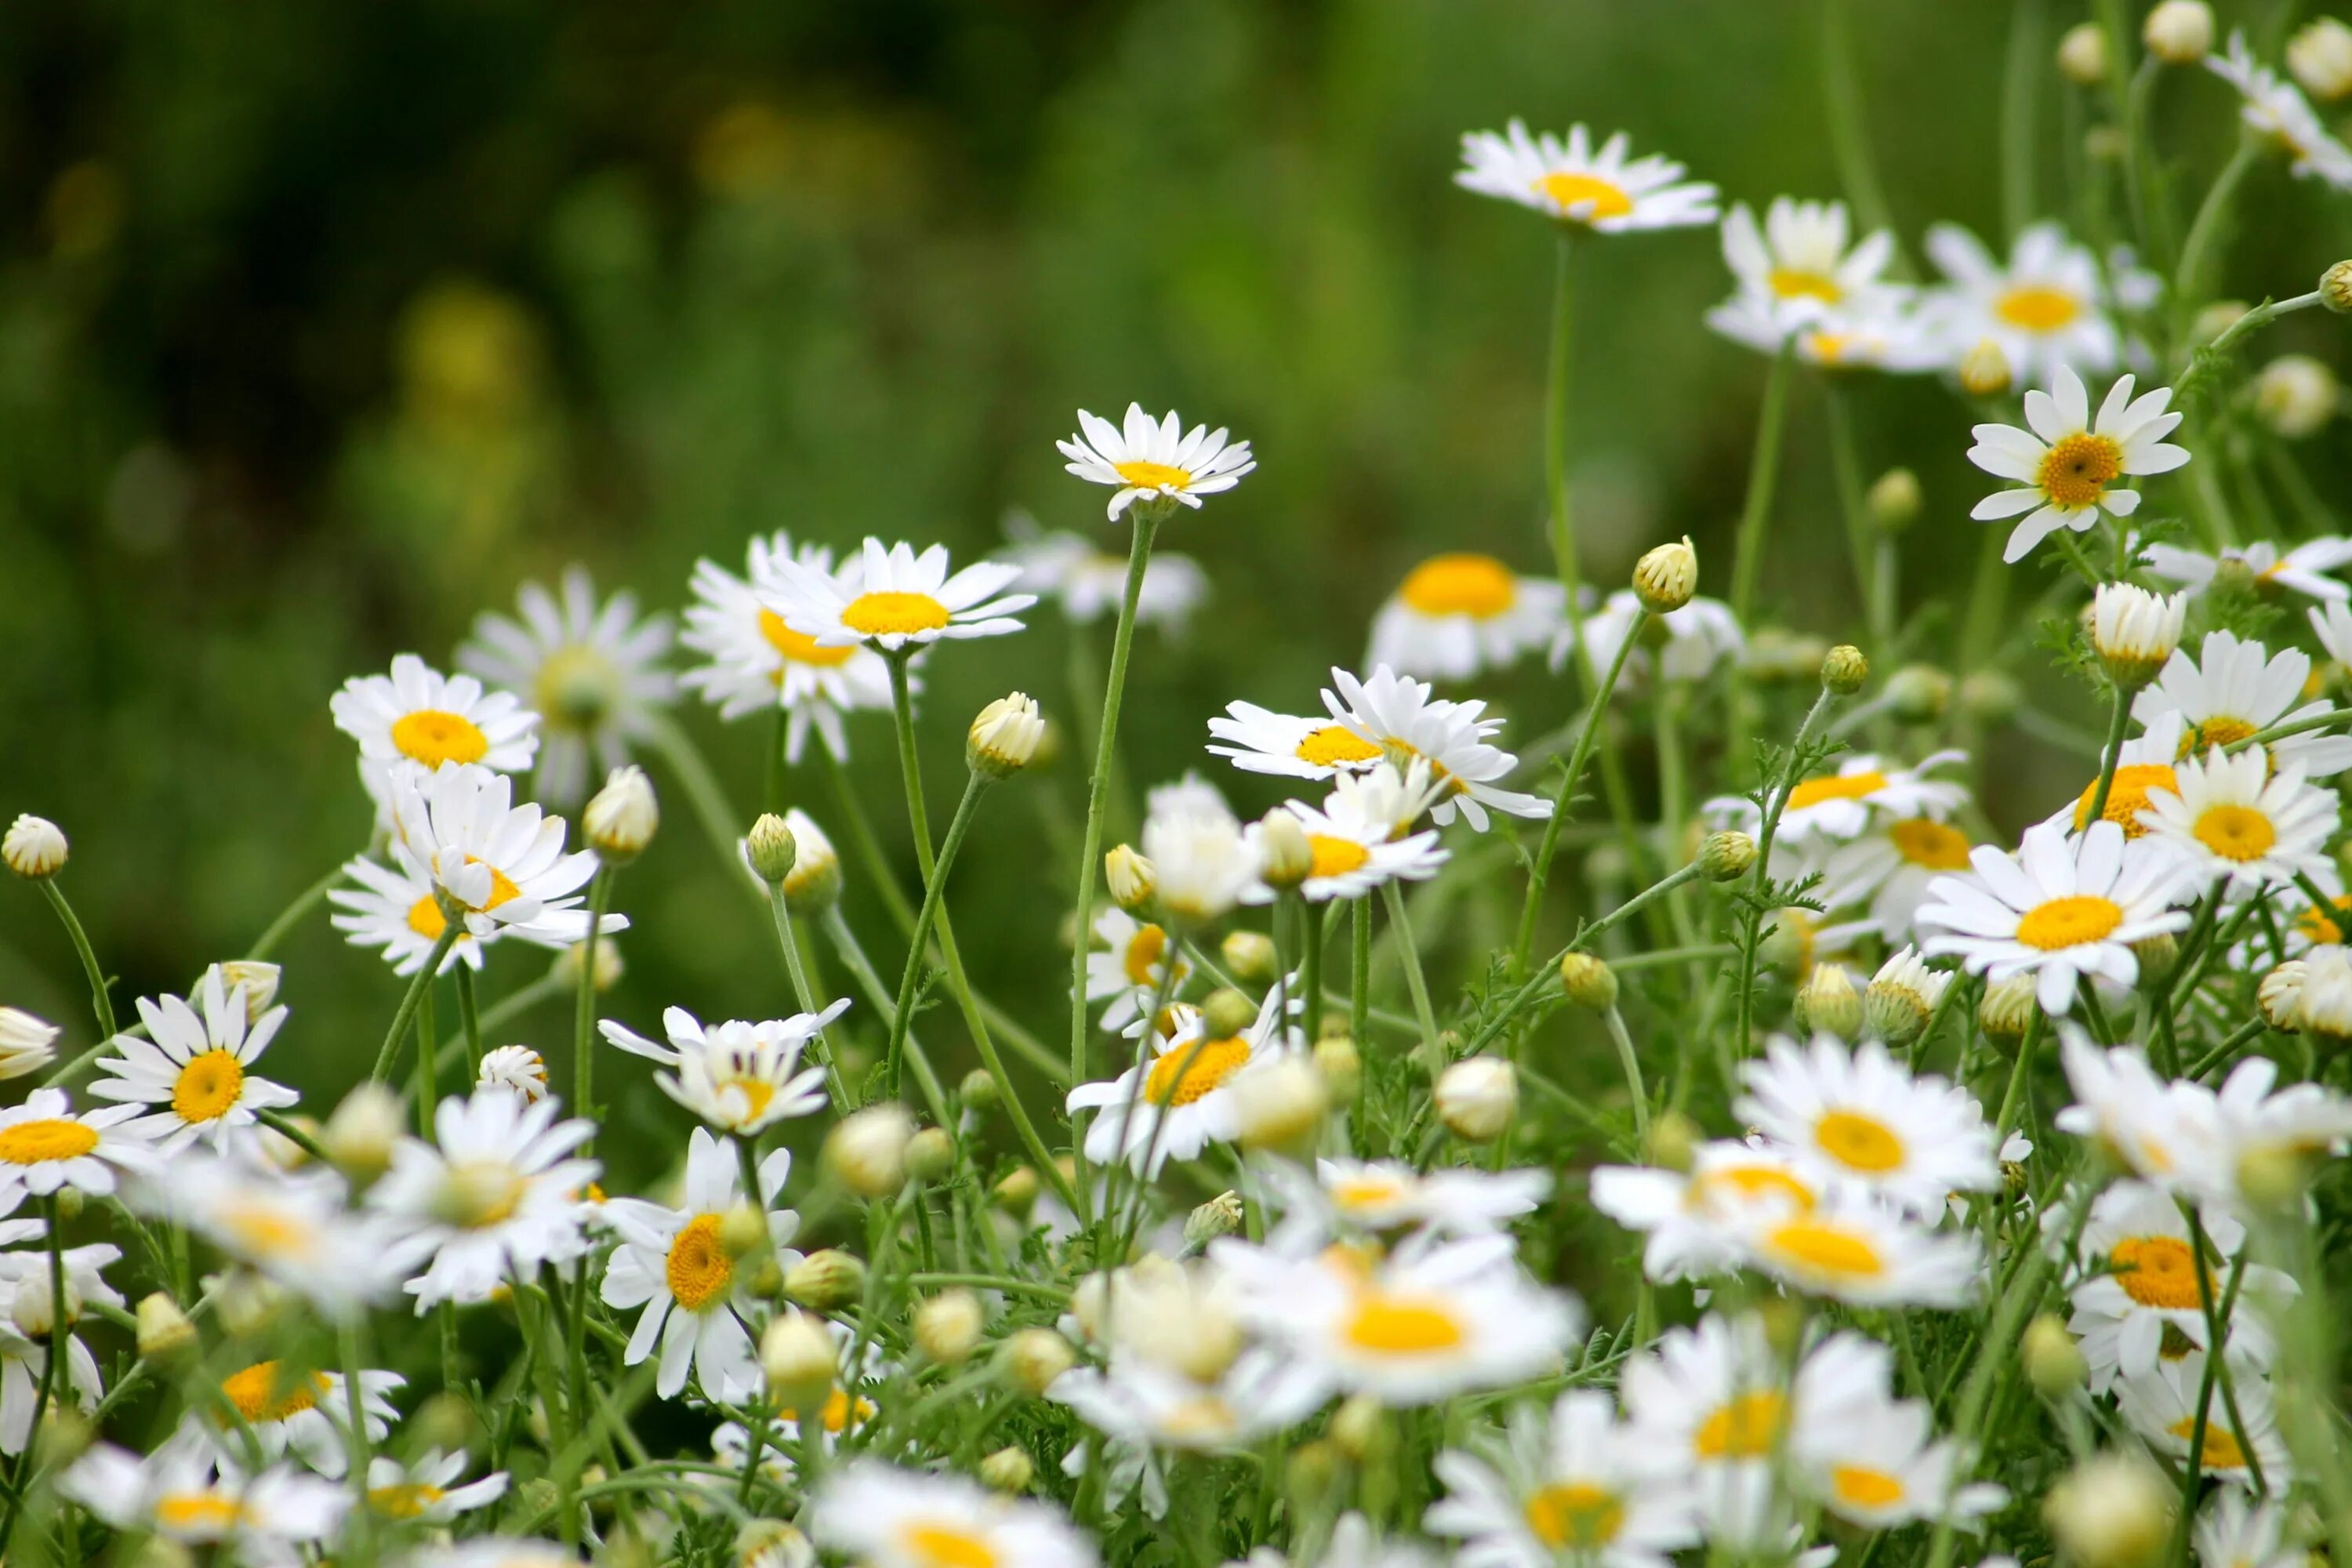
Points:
[[934, 891], [2111, 753], [427, 1076], [2205, 230], [305, 900], [1752, 918], [583, 999], [1311, 969], [100, 1004], [861, 969], [450, 930], [1360, 970], [1763, 477], [469, 1024], [780, 913], [362, 1450], [1559, 371], [862, 838], [1845, 458], [1432, 1054], [1849, 138], [2020, 106], [703, 791], [1631, 1063]]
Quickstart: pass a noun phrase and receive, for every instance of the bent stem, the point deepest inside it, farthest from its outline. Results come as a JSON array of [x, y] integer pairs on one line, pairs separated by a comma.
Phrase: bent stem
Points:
[[934, 891], [1432, 1054], [292, 915], [805, 994], [100, 1004], [1849, 143]]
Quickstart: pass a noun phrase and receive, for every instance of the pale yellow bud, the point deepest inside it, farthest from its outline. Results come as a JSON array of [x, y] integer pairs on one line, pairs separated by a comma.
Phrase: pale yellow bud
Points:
[[2007, 1008], [1665, 578], [2296, 396], [1673, 1142], [1361, 1428], [1220, 1217], [1727, 857], [825, 1280], [742, 1230], [246, 1303], [1249, 956], [930, 1155], [359, 1136], [2083, 54], [621, 819], [2211, 320], [2319, 57], [2336, 287], [2053, 1361], [2112, 1511], [1226, 1014], [771, 847], [1588, 981], [1031, 1359], [813, 885], [1280, 1106], [258, 976], [166, 1336], [1128, 877], [1009, 1470], [1990, 696], [1477, 1097], [978, 1090], [2134, 631], [948, 1327], [1341, 1064], [772, 1543], [798, 1360], [1003, 739], [1017, 1190], [1286, 858], [1918, 693], [1894, 500], [34, 847], [1829, 1002], [608, 970], [2280, 997], [2179, 32], [866, 1151], [1985, 370]]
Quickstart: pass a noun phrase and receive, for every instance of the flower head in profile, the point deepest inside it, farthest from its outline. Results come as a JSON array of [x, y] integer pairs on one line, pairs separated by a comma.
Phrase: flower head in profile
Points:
[[296, 1410], [1361, 835], [2160, 1132], [27, 1044], [1802, 259], [196, 1065], [896, 599], [1155, 460], [1884, 1468], [2067, 462], [2045, 309], [740, 1078], [1568, 179], [2277, 111], [427, 1487], [186, 1492], [1458, 614], [393, 908], [1260, 741], [1694, 1219], [1406, 719], [1129, 967], [2302, 568], [1688, 643], [757, 663]]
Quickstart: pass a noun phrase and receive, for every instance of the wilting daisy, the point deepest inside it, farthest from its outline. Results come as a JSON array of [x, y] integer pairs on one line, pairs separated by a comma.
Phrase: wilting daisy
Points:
[[504, 863], [894, 599], [2230, 821], [2276, 111], [886, 1517], [2303, 568], [757, 663], [1839, 805], [1889, 864], [1089, 583], [1182, 1100], [295, 1410], [2161, 1407], [45, 1146], [394, 909], [2233, 690], [2045, 311], [594, 672], [193, 1063], [1131, 967], [187, 1493], [2238, 1531], [1578, 1487], [1458, 614], [1155, 460], [1568, 180], [1715, 1396], [2059, 909], [2138, 1298], [2156, 1129], [1856, 1251], [1260, 741], [418, 715], [298, 1230], [1694, 1219], [1859, 1117], [1406, 719], [427, 1488], [1685, 644], [740, 1077], [696, 1298], [517, 1070], [494, 1192], [2066, 460], [1883, 1467]]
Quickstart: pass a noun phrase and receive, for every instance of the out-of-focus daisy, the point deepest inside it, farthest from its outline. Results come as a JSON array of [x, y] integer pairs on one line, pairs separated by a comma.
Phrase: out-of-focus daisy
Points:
[[1570, 180], [2137, 1299], [394, 909], [1155, 460], [2332, 624], [2059, 909], [2066, 461], [1129, 970], [517, 1070], [1883, 1468], [2151, 1127], [1386, 1195], [757, 663], [1354, 1544], [2277, 111], [1187, 1084], [1798, 261], [1458, 614], [1406, 719], [592, 671], [184, 1493], [2231, 822], [895, 599], [295, 1410], [1715, 1396], [494, 1192], [45, 1145], [1357, 841], [1694, 1219], [1856, 1251], [24, 1276], [195, 1064], [426, 1489], [2252, 1116], [297, 1229], [2235, 688], [416, 714], [2161, 1407], [502, 1551], [1260, 741], [2302, 569], [1890, 864], [1685, 645], [1860, 1118], [1141, 1401], [504, 863], [1839, 806], [2239, 1531], [672, 1263], [2044, 310], [1578, 1487], [884, 1517], [1089, 583], [26, 1044], [25, 1366], [741, 1078], [1886, 335], [1203, 865]]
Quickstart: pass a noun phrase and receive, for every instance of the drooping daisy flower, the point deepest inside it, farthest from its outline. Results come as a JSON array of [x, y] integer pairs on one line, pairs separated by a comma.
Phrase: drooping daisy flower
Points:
[[1183, 1099], [2060, 909], [1358, 840], [1889, 866], [594, 673], [1854, 1250], [494, 1192], [2065, 462], [1568, 180], [2235, 688], [426, 1491], [1155, 460], [886, 1517], [44, 1146], [896, 599], [26, 1044], [1131, 967], [1406, 719], [395, 909], [2136, 1296], [418, 715], [1577, 1488], [1456, 615], [187, 1493], [2230, 821], [195, 1063], [1839, 806], [517, 1070], [757, 663], [1860, 1118], [297, 1411], [2238, 1531], [504, 863], [1691, 641], [1260, 741], [2301, 568], [672, 1263], [297, 1229], [2277, 111], [1089, 583], [1694, 1219], [2155, 1129], [2161, 1407], [2045, 311], [740, 1078], [1715, 1397], [1883, 1468]]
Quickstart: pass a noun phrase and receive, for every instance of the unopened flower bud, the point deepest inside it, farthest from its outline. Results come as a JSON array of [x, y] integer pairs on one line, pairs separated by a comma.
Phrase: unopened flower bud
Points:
[[1990, 696], [258, 976], [1918, 693], [1286, 859], [930, 1155], [771, 848], [1008, 1470], [742, 1230], [2179, 32], [2211, 320], [1845, 670], [1665, 578], [26, 1044], [2319, 57], [1342, 1066], [1128, 877], [1227, 1013], [2296, 396], [2102, 143], [2273, 1176], [2007, 1008], [866, 1151], [948, 1327], [1311, 1472], [1894, 500], [1727, 857], [2336, 287], [1017, 1190], [2114, 1511], [33, 1309], [166, 1338], [825, 1280], [2280, 997], [1249, 956], [2134, 631], [246, 1303], [34, 847], [620, 819], [608, 971], [1220, 1217], [359, 1136], [1828, 1002], [2157, 956], [1279, 1107], [798, 1360], [1477, 1097], [772, 1543], [1985, 370], [1673, 1142], [2083, 54], [1031, 1359], [1589, 983], [1003, 739], [1787, 945], [1901, 998], [1361, 1428], [2053, 1361]]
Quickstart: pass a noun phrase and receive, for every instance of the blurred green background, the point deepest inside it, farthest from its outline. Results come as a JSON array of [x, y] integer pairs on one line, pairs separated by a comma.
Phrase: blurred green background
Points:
[[323, 326]]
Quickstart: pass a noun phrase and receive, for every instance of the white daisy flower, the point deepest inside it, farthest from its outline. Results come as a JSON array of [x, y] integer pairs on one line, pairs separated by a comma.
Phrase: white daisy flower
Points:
[[45, 1145], [2239, 1531], [1358, 841], [1578, 1487], [672, 1263], [1202, 864], [394, 911], [1354, 1544], [297, 1411], [418, 715], [2233, 823], [2143, 770], [1798, 262], [1456, 615], [2066, 460], [1260, 741], [26, 1044], [1155, 460], [2136, 1294], [504, 863], [2277, 111], [1883, 1468], [2156, 1129], [1889, 866], [1131, 969], [1388, 1194], [427, 1488], [495, 1192], [1089, 583], [1694, 1219], [2331, 623], [861, 1371], [2251, 1116], [185, 1492], [1570, 180], [24, 1363], [594, 672], [1862, 1119], [518, 1069], [195, 1062], [1142, 1402], [741, 1078], [1716, 1398], [25, 1285], [757, 663], [1406, 719], [1854, 1250], [2235, 688], [2302, 569], [504, 1551], [1840, 805], [896, 599], [2060, 909], [1683, 645], [2162, 1408], [297, 1229], [2044, 310], [884, 1517], [1885, 333], [1183, 1099]]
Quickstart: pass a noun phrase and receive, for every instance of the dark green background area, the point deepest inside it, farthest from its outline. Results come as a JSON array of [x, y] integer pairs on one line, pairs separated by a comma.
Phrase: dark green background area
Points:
[[323, 325]]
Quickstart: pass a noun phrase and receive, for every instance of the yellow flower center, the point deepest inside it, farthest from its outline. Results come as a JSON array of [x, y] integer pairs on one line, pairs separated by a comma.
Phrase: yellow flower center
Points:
[[1838, 786], [935, 1544], [1858, 1486], [2222, 1449], [1399, 1325], [2069, 922], [1185, 1074], [53, 1137], [2219, 731], [576, 686], [431, 737], [1575, 1515], [1366, 1192], [1336, 856], [838, 1411], [197, 1512], [2318, 924], [1829, 348], [2126, 796], [2038, 308], [1143, 951], [756, 1093], [261, 1232], [1860, 1142], [1749, 1182], [1146, 475], [1746, 1429], [1333, 745], [425, 918], [881, 615], [799, 647], [265, 1391], [2237, 833], [1568, 188], [1802, 283], [2157, 1271], [1478, 586], [1937, 845], [407, 1501], [1822, 1249], [700, 1272], [208, 1087], [2076, 471], [478, 1193]]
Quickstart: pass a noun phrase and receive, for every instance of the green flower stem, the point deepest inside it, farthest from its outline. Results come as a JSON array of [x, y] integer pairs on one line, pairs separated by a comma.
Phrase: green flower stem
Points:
[[1432, 1054], [450, 930], [934, 893], [1872, 571], [305, 900], [1751, 921], [426, 1076], [514, 1005], [1849, 138], [1549, 975], [1359, 969], [52, 1369], [293, 1133], [1311, 967], [2020, 101], [2205, 232], [355, 1433], [1632, 1062], [470, 1024], [1557, 373], [703, 793], [2207, 358], [584, 1002], [2111, 753], [1005, 1283], [100, 1004], [1763, 478], [2308, 1371], [861, 969], [804, 995]]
